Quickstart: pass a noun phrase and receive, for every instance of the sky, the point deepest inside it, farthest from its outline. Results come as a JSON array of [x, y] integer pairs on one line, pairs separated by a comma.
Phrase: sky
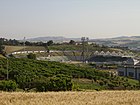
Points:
[[69, 18]]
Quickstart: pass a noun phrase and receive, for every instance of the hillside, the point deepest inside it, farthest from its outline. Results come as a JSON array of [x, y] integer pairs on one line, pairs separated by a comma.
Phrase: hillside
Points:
[[80, 48], [31, 74], [124, 41], [55, 39], [10, 49], [73, 52]]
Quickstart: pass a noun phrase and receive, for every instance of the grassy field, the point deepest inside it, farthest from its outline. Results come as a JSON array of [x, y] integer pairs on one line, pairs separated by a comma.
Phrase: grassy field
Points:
[[71, 98], [1, 56], [10, 49]]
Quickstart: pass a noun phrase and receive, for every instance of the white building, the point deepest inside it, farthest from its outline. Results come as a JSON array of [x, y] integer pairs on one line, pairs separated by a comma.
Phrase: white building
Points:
[[130, 68]]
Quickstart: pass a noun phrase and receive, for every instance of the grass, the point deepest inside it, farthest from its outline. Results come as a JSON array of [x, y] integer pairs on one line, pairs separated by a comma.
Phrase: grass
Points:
[[80, 48], [86, 84], [10, 49], [1, 56], [71, 98]]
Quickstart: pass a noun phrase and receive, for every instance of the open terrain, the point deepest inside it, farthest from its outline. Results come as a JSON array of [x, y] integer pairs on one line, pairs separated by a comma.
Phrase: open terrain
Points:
[[10, 49], [71, 98], [123, 41]]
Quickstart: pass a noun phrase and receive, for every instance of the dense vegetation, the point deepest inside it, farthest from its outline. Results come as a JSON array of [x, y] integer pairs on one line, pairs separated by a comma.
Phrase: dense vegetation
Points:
[[28, 74], [14, 42], [31, 56], [79, 47]]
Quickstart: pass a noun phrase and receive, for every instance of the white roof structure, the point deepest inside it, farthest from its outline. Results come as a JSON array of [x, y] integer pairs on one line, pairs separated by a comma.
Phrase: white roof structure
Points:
[[102, 53], [114, 53], [96, 53], [120, 54], [108, 53]]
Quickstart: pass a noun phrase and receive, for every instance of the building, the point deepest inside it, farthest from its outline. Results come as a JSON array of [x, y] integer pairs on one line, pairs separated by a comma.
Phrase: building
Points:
[[130, 68]]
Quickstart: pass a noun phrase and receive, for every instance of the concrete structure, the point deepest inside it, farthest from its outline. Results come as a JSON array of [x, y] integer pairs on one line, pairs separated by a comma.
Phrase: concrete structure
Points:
[[130, 68]]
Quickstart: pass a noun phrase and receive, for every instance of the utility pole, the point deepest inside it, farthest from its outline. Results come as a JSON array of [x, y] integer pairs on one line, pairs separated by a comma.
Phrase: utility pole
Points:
[[87, 39], [7, 70], [47, 52], [83, 44], [24, 44]]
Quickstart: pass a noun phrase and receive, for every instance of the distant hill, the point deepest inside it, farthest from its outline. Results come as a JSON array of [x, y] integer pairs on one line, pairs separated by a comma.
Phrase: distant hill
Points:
[[120, 38], [56, 39], [126, 38], [123, 41]]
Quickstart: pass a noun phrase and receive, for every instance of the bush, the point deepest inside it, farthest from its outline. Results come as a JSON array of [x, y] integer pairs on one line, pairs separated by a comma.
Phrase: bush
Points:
[[8, 85], [41, 84], [56, 83], [31, 56], [60, 83]]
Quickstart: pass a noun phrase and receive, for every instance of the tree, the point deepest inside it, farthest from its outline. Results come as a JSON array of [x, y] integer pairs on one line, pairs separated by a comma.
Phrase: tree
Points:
[[1, 49], [72, 42], [49, 43], [27, 43], [8, 85], [31, 56], [60, 82]]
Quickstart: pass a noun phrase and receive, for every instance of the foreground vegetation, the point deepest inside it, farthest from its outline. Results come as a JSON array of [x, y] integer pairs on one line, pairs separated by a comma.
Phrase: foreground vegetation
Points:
[[34, 75], [71, 98]]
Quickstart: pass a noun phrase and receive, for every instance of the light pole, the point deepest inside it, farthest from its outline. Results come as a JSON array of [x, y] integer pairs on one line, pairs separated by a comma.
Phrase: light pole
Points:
[[87, 39], [24, 44], [83, 44], [84, 39], [7, 70]]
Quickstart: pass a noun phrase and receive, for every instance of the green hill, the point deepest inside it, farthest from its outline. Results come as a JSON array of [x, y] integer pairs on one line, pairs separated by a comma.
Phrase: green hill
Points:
[[33, 74], [92, 47]]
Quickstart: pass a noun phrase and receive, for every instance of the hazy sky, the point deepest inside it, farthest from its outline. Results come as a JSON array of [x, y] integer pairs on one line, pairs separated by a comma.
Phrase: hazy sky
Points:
[[70, 18]]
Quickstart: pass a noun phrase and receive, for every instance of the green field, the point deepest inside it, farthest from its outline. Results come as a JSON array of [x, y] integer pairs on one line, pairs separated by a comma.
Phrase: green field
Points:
[[31, 74]]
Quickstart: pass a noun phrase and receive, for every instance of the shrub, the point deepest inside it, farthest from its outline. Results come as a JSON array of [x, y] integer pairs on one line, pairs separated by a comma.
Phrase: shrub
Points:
[[8, 85], [60, 83], [55, 83], [31, 56], [40, 85]]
